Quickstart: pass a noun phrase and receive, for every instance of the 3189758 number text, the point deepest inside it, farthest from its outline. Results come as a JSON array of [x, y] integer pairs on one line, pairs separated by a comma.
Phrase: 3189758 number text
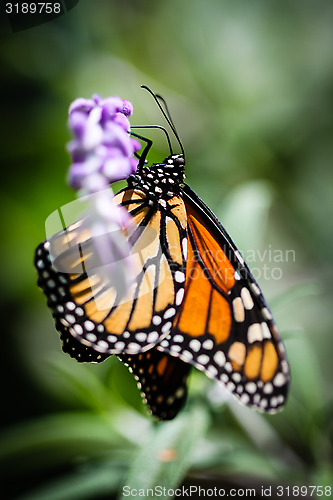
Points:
[[33, 8]]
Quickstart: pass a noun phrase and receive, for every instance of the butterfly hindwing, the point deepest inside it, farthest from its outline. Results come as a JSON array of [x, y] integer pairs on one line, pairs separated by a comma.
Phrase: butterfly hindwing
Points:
[[85, 303], [223, 326], [161, 379]]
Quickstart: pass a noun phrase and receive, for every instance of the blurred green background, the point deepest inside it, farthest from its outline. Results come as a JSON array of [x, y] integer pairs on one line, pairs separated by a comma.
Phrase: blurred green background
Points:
[[250, 88]]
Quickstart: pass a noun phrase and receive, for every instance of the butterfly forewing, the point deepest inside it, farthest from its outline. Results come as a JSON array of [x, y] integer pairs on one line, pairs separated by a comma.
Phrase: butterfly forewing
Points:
[[223, 325], [77, 350], [88, 305]]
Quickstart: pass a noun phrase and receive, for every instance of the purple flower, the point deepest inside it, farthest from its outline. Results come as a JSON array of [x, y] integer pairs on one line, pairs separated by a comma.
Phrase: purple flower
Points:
[[127, 108], [101, 133], [102, 152]]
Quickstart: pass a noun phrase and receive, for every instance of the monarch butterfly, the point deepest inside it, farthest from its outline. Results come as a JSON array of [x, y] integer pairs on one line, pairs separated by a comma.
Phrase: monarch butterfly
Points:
[[194, 301]]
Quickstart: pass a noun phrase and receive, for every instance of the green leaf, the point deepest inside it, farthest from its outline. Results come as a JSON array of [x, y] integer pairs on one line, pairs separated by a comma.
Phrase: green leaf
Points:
[[166, 456], [79, 382], [86, 482], [307, 378], [56, 438]]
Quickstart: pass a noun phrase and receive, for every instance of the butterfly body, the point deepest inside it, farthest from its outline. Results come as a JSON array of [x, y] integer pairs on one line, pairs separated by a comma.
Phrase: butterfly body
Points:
[[193, 301], [161, 181]]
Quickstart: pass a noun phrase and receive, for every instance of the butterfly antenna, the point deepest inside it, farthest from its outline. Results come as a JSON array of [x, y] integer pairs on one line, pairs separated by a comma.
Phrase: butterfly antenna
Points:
[[166, 115], [167, 111], [161, 128]]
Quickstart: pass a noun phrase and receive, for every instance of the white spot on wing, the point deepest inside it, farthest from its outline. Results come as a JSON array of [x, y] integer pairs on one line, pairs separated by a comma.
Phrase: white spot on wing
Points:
[[245, 398], [152, 337], [255, 288], [238, 309], [231, 386], [178, 338], [266, 313], [279, 380], [166, 327], [268, 388], [119, 345], [236, 377], [102, 345], [247, 299], [219, 358], [184, 244], [228, 366], [203, 359], [254, 333], [251, 387], [263, 403], [157, 320], [133, 347], [91, 337], [212, 371], [265, 331], [208, 344], [186, 356], [239, 257], [169, 313], [180, 296], [274, 401], [237, 275], [141, 336], [89, 325], [195, 345], [78, 329], [179, 277], [70, 318], [112, 339], [285, 366]]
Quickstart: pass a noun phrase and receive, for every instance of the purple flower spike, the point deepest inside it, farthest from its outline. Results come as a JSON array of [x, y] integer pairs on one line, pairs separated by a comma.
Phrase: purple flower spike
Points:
[[111, 106], [103, 152], [121, 120], [101, 130], [127, 108], [81, 104]]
